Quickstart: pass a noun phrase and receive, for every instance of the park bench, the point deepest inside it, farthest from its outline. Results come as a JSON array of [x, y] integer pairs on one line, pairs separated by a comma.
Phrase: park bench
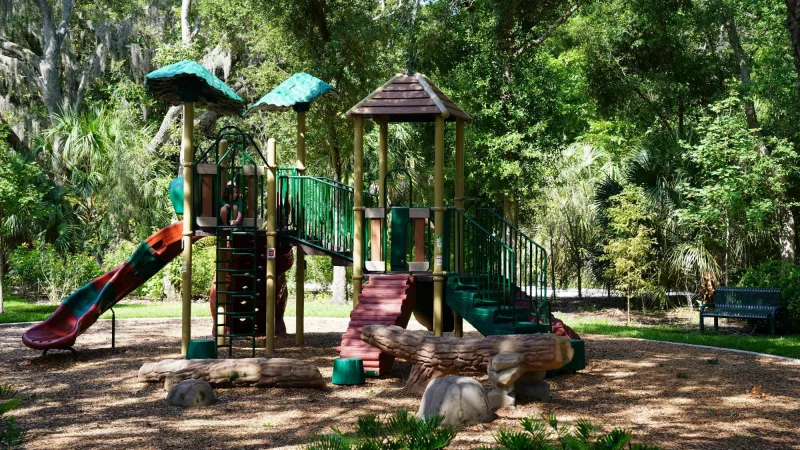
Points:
[[745, 303]]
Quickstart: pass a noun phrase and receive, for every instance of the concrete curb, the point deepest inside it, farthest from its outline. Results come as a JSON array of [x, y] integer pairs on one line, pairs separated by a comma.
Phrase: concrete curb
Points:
[[705, 347]]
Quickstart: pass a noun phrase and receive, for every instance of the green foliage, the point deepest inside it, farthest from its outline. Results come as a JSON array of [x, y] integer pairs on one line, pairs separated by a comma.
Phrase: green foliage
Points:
[[44, 272], [629, 251], [11, 436], [399, 431], [641, 93], [547, 434], [113, 186], [737, 183], [779, 275]]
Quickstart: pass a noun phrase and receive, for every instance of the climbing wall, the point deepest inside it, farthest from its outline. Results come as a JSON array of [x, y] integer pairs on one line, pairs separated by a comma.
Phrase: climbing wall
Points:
[[385, 300]]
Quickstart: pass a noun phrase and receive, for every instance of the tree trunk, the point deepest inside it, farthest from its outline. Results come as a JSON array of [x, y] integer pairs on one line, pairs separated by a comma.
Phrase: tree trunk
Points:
[[787, 232], [793, 23], [258, 372], [628, 297], [552, 268], [727, 246], [579, 265], [2, 279], [744, 73], [186, 29], [436, 356], [339, 285]]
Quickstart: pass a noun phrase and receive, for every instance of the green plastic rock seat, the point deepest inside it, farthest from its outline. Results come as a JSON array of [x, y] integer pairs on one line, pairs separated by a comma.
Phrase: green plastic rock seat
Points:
[[201, 349], [348, 371], [578, 359]]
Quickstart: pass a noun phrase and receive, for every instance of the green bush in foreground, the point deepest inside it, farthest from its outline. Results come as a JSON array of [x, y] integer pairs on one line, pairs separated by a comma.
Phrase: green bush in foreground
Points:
[[10, 435], [401, 431], [547, 434]]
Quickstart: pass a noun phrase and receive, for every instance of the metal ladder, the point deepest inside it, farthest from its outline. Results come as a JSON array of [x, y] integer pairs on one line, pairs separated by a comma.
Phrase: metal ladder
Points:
[[237, 283]]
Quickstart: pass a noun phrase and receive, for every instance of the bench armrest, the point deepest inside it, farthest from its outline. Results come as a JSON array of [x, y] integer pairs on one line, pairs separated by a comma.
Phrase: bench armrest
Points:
[[704, 306]]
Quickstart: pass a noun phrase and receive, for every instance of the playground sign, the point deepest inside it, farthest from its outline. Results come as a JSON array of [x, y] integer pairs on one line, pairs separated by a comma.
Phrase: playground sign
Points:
[[270, 253]]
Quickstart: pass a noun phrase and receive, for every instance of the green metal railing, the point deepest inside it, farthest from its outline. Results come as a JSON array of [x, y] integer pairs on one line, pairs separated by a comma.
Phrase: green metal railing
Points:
[[481, 262], [318, 212], [530, 271]]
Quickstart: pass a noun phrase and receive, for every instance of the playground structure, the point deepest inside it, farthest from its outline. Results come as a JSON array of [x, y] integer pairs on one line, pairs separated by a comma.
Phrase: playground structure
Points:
[[437, 262]]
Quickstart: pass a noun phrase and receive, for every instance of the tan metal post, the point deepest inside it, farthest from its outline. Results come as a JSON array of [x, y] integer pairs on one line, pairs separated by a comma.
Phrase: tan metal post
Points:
[[458, 321], [300, 261], [186, 270], [358, 207], [271, 243], [383, 150], [438, 272], [223, 174]]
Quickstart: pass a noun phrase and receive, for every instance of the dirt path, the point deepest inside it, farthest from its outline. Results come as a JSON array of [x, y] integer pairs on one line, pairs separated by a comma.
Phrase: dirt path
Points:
[[673, 396]]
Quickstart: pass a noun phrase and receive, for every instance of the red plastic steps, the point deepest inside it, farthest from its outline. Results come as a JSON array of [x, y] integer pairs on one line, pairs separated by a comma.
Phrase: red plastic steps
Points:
[[385, 300]]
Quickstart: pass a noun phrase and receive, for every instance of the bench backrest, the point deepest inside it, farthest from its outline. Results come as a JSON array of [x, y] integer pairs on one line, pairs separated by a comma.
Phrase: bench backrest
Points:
[[747, 297]]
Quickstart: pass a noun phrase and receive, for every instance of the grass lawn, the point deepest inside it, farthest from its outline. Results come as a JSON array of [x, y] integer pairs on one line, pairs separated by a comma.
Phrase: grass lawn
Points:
[[690, 334], [20, 310]]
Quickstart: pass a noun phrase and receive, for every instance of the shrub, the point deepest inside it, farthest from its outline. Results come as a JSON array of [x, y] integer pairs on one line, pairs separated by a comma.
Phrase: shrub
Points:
[[780, 275], [10, 435], [202, 269], [44, 272], [546, 434], [400, 431]]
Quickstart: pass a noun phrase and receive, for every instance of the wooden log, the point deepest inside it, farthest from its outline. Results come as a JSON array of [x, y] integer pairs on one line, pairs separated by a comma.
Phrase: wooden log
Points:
[[439, 356], [258, 372]]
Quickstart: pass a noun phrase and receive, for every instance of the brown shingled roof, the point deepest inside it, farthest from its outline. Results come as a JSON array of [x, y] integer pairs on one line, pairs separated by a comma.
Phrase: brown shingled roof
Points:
[[409, 98]]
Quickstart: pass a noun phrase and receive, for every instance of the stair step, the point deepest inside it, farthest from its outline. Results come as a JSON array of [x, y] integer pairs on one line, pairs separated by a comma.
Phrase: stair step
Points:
[[354, 343], [376, 293], [403, 278], [368, 300], [382, 307], [365, 354]]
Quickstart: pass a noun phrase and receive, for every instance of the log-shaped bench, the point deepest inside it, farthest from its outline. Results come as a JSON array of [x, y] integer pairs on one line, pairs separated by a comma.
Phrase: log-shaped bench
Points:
[[745, 303]]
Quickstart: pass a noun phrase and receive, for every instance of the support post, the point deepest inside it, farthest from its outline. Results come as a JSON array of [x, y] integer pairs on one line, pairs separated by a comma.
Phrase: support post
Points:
[[438, 271], [271, 243], [300, 260], [222, 299], [113, 329], [458, 321], [383, 149], [188, 216], [358, 207]]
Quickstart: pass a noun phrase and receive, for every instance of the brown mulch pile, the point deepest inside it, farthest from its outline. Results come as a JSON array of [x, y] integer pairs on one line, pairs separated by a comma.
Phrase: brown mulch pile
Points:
[[673, 396]]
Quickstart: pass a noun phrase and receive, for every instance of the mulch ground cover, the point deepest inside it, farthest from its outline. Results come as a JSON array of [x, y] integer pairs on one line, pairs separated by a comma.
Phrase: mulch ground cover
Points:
[[672, 396]]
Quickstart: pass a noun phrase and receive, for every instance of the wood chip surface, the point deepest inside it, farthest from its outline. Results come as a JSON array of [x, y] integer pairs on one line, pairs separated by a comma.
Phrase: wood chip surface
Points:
[[673, 396]]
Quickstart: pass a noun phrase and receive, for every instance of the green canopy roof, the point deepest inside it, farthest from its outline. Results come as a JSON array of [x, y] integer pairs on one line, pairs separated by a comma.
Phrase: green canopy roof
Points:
[[296, 92], [189, 81]]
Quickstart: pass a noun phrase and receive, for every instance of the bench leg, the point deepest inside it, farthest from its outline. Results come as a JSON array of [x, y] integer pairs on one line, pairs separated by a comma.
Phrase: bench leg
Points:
[[716, 323], [702, 325], [772, 324]]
